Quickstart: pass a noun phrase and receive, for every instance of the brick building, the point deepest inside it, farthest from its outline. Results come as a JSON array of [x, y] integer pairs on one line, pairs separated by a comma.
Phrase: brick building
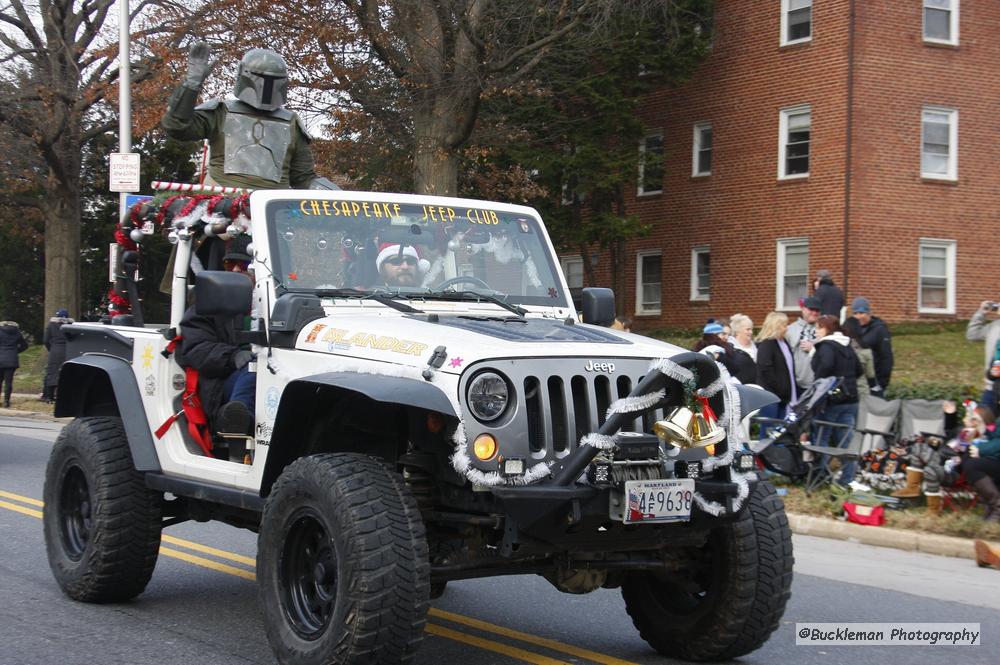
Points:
[[857, 136]]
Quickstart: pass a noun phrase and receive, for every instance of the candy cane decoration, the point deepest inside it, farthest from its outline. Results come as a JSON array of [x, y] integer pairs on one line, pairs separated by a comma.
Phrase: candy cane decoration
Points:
[[160, 185]]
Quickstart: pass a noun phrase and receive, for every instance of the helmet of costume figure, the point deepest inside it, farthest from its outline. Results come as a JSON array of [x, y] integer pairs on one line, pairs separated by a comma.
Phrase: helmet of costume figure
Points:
[[262, 80]]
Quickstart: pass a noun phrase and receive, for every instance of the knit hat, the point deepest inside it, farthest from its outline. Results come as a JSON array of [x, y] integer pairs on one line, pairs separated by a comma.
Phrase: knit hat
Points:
[[712, 328], [62, 313], [823, 273], [860, 304], [238, 249], [389, 249]]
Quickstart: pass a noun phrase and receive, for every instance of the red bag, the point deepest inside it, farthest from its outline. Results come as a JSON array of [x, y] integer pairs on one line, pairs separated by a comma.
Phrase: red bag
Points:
[[870, 515]]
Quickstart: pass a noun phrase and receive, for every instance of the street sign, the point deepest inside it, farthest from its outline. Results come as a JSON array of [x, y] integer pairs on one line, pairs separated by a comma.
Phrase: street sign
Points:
[[124, 176]]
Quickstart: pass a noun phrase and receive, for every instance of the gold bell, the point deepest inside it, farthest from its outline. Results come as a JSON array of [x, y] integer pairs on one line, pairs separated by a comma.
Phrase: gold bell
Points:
[[676, 429], [705, 432]]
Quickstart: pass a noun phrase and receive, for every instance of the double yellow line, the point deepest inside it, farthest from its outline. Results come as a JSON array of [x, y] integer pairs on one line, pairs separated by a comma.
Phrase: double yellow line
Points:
[[245, 570]]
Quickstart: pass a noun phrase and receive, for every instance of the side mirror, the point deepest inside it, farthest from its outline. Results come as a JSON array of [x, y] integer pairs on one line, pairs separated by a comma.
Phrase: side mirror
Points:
[[220, 293], [598, 306]]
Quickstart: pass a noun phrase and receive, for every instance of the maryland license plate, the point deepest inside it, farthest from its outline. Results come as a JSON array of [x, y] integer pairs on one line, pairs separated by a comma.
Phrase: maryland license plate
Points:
[[652, 501]]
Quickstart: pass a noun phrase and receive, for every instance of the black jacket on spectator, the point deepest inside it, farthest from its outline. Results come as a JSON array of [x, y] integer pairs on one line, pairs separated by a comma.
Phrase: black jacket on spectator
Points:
[[833, 356], [55, 342], [12, 342], [746, 368], [772, 370], [831, 298], [208, 345], [875, 336]]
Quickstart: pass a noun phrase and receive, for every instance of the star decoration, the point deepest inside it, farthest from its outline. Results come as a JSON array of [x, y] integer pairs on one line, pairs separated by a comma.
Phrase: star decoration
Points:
[[553, 293], [457, 362], [293, 276], [147, 357]]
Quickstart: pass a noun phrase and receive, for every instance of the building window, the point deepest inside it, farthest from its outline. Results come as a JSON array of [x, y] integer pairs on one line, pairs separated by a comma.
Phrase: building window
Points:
[[700, 273], [651, 165], [796, 21], [939, 144], [937, 276], [793, 142], [701, 155], [793, 272], [572, 267], [648, 278], [941, 21]]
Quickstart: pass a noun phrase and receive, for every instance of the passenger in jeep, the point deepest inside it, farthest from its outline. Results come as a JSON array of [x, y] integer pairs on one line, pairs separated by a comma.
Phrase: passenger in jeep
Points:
[[226, 386], [400, 265]]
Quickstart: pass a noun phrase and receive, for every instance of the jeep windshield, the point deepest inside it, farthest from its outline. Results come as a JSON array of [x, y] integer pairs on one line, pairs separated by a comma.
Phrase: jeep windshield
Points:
[[350, 248]]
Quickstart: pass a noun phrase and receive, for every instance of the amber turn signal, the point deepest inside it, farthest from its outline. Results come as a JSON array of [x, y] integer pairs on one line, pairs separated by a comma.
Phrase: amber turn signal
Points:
[[485, 447]]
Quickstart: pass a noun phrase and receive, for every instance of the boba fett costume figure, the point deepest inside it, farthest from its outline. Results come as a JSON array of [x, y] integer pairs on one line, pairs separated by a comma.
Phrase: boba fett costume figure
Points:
[[255, 142]]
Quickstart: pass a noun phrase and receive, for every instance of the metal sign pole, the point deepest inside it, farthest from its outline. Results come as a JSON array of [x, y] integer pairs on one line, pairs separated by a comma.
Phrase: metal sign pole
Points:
[[124, 93]]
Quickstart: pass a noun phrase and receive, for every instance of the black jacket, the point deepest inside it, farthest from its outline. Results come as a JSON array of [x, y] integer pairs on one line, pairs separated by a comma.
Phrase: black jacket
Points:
[[875, 336], [55, 341], [833, 356], [831, 298], [12, 342], [746, 368], [773, 371], [208, 345]]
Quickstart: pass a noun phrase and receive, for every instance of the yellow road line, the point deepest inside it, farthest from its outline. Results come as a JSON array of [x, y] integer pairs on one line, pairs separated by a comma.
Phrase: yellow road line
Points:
[[489, 645], [205, 549], [527, 637], [433, 629], [21, 509], [22, 499], [208, 563]]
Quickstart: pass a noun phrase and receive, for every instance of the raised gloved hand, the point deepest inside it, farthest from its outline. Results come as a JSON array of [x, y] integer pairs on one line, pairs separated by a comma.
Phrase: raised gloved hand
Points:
[[241, 359], [200, 65]]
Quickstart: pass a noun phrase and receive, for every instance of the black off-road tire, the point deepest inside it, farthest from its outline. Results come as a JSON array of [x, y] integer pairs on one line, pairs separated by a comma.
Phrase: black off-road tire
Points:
[[740, 589], [342, 564], [102, 524]]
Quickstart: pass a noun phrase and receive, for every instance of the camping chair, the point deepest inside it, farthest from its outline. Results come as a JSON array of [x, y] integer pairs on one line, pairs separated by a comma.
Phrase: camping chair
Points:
[[819, 468], [876, 425], [921, 416]]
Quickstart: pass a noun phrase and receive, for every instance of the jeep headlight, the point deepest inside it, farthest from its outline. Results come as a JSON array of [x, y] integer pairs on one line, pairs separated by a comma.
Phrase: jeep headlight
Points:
[[488, 395]]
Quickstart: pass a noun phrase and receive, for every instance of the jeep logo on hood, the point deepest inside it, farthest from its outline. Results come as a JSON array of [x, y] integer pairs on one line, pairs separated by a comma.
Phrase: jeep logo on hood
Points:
[[591, 366]]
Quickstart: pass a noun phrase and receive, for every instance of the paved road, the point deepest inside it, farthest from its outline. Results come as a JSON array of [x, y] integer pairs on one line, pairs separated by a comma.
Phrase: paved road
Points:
[[201, 606]]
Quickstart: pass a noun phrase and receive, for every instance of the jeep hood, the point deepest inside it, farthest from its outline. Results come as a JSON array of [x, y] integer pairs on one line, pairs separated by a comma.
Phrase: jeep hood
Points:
[[469, 338]]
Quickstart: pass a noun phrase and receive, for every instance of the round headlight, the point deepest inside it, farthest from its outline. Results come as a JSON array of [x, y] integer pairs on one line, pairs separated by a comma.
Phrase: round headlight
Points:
[[488, 396]]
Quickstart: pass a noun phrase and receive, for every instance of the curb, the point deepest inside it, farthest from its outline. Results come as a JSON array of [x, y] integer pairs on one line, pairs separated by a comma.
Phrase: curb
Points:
[[900, 539]]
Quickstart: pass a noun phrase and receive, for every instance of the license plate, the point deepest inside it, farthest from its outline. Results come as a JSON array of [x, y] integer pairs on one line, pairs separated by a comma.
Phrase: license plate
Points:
[[652, 501]]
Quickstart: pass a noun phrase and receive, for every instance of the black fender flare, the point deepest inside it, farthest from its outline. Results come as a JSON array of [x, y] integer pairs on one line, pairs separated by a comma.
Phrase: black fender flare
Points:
[[81, 374], [376, 387]]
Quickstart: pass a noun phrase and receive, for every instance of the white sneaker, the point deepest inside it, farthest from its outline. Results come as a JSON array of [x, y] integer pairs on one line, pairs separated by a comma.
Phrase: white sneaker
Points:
[[859, 487]]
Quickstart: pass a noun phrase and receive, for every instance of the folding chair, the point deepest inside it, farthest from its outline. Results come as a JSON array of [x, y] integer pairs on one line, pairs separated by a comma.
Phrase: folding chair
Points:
[[921, 416], [819, 469], [876, 426]]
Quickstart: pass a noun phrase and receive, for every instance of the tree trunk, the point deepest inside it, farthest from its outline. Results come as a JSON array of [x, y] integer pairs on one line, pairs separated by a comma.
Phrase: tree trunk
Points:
[[62, 211], [435, 162]]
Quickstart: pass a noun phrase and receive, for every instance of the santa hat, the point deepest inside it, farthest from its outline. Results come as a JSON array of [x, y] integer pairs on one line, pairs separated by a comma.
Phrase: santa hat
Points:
[[390, 249]]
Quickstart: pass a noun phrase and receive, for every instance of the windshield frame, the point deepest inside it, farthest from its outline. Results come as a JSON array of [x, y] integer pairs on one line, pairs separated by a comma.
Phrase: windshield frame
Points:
[[264, 202]]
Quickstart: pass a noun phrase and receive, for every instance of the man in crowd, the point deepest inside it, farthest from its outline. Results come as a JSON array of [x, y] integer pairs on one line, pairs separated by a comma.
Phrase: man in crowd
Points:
[[831, 298], [800, 337], [982, 328], [873, 334]]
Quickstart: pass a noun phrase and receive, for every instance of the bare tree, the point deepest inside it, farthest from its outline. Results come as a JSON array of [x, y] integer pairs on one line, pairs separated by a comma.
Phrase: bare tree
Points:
[[59, 68]]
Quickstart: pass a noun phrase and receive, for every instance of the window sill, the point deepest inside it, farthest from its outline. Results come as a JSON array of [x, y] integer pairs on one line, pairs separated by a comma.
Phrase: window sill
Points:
[[793, 178], [653, 193], [931, 180], [934, 43], [805, 41], [936, 312], [700, 176], [649, 312], [699, 300]]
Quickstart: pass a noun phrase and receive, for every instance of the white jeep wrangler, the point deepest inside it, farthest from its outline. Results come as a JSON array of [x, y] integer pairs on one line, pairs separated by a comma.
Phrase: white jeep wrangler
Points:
[[459, 423]]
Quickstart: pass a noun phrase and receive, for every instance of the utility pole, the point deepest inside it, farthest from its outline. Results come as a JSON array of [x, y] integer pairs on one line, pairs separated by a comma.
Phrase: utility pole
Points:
[[124, 93]]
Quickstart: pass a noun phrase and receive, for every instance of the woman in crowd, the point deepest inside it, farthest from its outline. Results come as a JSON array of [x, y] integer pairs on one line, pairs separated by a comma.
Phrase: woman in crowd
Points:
[[12, 343], [712, 342], [742, 335], [866, 358], [982, 466], [775, 366], [833, 357], [55, 342]]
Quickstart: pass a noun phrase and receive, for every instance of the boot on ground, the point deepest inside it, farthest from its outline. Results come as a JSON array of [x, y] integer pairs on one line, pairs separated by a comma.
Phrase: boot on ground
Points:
[[913, 479]]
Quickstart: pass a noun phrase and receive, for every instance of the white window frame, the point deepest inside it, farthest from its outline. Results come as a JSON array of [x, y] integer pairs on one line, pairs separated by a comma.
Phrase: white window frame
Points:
[[950, 247], [785, 7], [952, 173], [641, 189], [639, 309], [696, 148], [783, 117], [953, 23], [779, 289], [566, 261], [695, 253]]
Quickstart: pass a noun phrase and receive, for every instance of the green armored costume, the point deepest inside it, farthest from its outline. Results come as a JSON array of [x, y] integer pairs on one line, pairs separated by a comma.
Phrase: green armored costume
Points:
[[255, 142]]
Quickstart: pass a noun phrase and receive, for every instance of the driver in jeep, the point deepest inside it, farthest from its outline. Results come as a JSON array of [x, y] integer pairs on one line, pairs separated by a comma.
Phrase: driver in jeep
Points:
[[400, 265]]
